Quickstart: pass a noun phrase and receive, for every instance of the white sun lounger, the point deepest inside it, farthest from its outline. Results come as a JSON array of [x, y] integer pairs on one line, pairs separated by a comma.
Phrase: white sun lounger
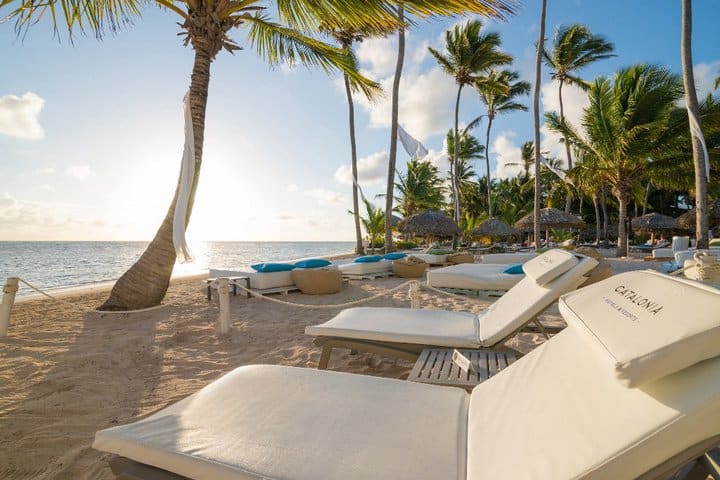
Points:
[[507, 258], [473, 276], [404, 332], [366, 269], [430, 258], [561, 412]]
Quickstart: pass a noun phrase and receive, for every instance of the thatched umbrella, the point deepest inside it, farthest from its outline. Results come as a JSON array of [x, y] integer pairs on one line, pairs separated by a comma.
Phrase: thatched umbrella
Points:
[[655, 223], [687, 220], [494, 228], [430, 223], [550, 218]]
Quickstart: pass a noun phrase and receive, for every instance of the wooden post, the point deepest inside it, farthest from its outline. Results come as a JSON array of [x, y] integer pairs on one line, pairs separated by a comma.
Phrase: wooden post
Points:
[[8, 299], [224, 301], [414, 294]]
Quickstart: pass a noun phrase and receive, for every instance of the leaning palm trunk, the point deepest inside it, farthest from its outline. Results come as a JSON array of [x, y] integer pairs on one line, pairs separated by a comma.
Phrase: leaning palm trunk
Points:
[[394, 134], [597, 219], [536, 118], [146, 282], [454, 166], [701, 218], [487, 164], [353, 155], [569, 197], [603, 206]]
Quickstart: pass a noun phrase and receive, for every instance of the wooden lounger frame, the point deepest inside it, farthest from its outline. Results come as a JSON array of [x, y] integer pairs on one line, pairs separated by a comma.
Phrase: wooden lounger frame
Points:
[[695, 463]]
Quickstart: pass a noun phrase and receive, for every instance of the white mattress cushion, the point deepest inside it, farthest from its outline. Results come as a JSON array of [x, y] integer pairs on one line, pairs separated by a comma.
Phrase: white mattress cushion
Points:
[[549, 265], [359, 268], [559, 413], [507, 258], [275, 422], [473, 276], [526, 300], [403, 325], [430, 258], [648, 325], [258, 280], [663, 253]]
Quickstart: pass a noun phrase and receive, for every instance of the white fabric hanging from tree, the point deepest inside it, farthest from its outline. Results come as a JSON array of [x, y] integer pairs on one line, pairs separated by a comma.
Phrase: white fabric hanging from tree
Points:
[[412, 146], [696, 132], [187, 172]]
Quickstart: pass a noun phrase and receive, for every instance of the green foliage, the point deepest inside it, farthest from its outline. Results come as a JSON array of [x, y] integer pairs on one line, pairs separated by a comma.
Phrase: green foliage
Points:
[[405, 244], [560, 234], [575, 47], [421, 188], [374, 223]]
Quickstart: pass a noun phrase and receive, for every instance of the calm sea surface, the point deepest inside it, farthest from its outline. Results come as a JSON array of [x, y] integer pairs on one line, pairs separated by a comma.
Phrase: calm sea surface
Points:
[[51, 265]]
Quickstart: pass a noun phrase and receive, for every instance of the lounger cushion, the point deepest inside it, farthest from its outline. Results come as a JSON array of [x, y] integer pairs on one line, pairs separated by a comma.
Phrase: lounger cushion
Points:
[[394, 255], [641, 323], [272, 267], [274, 422], [368, 259], [313, 263], [473, 276], [365, 268], [403, 325], [549, 265], [258, 280], [430, 258], [506, 258], [559, 413], [514, 269]]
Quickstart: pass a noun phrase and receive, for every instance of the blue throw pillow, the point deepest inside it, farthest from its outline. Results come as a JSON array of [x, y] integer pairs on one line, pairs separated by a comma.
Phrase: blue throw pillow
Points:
[[368, 259], [514, 269], [272, 267], [394, 256], [312, 263]]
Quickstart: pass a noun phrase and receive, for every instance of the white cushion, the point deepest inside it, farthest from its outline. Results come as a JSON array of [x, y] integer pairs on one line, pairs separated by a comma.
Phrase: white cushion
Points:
[[646, 324], [549, 265], [283, 422], [403, 325], [359, 268], [559, 413], [680, 243], [663, 253], [258, 280], [473, 276], [430, 258], [507, 258]]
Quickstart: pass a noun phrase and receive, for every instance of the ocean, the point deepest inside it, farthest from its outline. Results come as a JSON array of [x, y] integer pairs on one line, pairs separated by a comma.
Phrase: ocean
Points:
[[59, 265]]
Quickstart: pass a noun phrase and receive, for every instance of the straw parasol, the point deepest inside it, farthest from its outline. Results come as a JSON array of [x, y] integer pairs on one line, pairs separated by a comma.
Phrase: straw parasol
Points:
[[430, 223], [494, 228], [655, 223], [687, 219], [550, 218]]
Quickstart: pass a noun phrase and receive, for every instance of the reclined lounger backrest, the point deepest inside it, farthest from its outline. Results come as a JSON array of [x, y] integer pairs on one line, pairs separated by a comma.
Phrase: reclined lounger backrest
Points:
[[565, 412], [559, 271]]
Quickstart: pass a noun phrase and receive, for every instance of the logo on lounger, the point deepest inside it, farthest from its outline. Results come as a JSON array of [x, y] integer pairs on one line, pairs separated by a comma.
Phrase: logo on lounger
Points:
[[637, 299]]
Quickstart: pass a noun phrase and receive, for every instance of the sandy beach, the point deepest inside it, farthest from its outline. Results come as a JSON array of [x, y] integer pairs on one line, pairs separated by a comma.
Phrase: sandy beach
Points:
[[68, 371]]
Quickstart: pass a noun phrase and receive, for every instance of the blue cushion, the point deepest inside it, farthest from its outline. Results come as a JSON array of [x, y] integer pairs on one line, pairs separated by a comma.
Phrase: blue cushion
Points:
[[312, 263], [394, 256], [272, 267], [368, 259], [514, 269]]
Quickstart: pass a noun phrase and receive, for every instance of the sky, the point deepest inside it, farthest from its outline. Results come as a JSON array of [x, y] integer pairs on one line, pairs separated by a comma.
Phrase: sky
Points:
[[91, 132]]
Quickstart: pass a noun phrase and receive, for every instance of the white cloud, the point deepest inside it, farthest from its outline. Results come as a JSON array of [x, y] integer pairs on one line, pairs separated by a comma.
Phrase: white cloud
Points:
[[19, 116], [439, 159], [506, 153], [371, 170], [575, 100], [325, 196], [705, 75], [79, 172], [292, 188], [49, 170], [380, 53], [46, 187]]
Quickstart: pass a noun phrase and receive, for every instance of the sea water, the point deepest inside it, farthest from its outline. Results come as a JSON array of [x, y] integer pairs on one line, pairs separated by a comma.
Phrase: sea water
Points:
[[53, 265]]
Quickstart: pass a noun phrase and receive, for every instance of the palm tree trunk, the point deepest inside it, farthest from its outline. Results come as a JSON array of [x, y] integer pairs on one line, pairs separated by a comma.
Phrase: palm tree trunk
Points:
[[394, 133], [603, 206], [701, 218], [454, 167], [536, 118], [145, 283], [487, 164], [569, 197], [647, 198], [353, 155], [622, 197], [597, 219]]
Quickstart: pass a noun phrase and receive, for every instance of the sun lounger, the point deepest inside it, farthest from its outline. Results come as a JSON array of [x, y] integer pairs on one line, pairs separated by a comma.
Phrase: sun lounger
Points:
[[473, 276], [560, 412], [430, 259], [259, 280], [404, 332], [507, 258], [366, 270]]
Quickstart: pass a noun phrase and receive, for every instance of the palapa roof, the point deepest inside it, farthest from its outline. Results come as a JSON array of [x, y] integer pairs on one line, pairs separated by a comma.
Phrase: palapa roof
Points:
[[550, 217], [687, 219], [655, 222], [430, 223], [494, 228]]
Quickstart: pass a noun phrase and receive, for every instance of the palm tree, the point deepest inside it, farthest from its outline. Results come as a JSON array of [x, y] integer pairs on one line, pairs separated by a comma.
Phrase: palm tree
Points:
[[490, 8], [205, 26], [469, 52], [701, 218], [623, 128], [540, 47], [574, 47], [499, 101], [374, 222], [469, 149], [421, 188]]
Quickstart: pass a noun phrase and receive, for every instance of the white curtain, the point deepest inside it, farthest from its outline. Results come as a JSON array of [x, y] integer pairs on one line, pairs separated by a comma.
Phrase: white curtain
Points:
[[186, 178]]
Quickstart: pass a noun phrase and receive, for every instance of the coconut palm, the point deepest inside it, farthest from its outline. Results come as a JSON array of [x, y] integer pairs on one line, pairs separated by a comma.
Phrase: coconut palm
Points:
[[691, 100], [469, 150], [205, 26], [574, 48], [540, 48], [489, 8], [623, 127], [469, 52], [421, 188], [373, 221], [499, 101]]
